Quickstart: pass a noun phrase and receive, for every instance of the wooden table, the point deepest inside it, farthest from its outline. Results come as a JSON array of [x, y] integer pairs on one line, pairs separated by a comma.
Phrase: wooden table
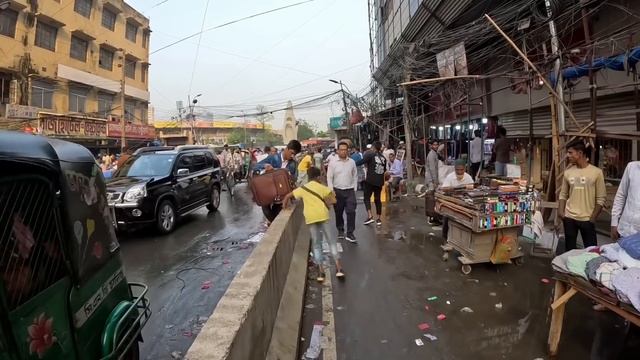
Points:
[[565, 288]]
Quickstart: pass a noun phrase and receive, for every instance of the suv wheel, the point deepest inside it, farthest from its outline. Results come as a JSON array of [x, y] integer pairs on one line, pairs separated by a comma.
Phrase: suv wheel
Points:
[[166, 217], [214, 198]]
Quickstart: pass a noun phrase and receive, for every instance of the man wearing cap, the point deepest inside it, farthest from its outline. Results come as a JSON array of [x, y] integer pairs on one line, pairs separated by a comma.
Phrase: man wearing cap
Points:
[[457, 178]]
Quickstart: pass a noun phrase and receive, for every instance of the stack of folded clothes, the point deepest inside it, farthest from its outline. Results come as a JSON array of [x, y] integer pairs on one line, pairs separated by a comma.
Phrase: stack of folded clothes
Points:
[[612, 268]]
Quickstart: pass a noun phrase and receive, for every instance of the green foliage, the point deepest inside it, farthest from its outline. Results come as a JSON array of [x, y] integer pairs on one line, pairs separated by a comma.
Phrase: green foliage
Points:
[[305, 131], [236, 136]]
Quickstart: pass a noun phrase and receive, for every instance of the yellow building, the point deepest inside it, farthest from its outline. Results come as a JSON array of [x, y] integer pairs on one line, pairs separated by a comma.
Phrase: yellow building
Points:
[[63, 64]]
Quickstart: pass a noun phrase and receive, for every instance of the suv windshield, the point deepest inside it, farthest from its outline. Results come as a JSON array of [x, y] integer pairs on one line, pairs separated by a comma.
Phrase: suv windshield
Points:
[[147, 165]]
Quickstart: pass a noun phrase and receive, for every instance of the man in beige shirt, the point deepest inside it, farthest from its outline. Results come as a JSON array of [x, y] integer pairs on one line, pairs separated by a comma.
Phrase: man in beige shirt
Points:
[[581, 198]]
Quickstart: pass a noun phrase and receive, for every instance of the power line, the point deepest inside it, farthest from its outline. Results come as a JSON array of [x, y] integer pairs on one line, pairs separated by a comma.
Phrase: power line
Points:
[[230, 23], [195, 60]]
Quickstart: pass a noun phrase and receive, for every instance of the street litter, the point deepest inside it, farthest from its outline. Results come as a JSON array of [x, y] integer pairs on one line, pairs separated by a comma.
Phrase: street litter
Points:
[[169, 326], [313, 351], [206, 285], [384, 341], [499, 306], [545, 280], [474, 280], [431, 337], [255, 238], [340, 249], [399, 235], [466, 310], [176, 355], [436, 228], [419, 342], [442, 317], [448, 302], [339, 307], [187, 333], [424, 326], [493, 294], [432, 234], [426, 307], [433, 298], [310, 306]]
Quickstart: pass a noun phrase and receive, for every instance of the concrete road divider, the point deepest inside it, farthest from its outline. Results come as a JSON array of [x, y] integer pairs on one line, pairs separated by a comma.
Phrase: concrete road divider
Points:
[[242, 324]]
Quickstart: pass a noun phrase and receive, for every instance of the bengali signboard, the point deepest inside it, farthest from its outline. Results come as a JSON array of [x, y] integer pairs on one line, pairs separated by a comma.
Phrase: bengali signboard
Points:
[[65, 126], [337, 123], [132, 131], [14, 111]]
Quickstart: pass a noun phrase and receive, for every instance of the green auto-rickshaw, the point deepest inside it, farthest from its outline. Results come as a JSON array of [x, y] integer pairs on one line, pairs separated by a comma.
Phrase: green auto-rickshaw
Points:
[[63, 293]]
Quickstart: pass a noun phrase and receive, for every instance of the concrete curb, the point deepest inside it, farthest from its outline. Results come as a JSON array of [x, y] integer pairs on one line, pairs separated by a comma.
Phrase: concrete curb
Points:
[[242, 323]]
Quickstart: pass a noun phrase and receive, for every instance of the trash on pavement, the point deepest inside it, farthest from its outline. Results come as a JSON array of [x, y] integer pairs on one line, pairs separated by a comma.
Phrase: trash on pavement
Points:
[[187, 333], [419, 342], [384, 341], [424, 326], [545, 280], [310, 306], [493, 294], [426, 307], [433, 298], [474, 280], [448, 302], [206, 285], [169, 326], [499, 306], [313, 351], [431, 337], [255, 238], [466, 310], [442, 317], [176, 355]]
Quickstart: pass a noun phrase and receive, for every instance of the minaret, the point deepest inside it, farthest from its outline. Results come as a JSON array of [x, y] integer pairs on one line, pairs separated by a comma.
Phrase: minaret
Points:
[[290, 129]]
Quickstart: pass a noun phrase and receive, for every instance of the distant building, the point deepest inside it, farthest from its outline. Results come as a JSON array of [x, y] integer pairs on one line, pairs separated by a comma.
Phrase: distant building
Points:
[[204, 132], [61, 69]]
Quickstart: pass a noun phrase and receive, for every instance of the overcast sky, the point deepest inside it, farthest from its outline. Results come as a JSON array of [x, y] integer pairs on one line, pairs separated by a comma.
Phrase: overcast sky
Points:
[[286, 55]]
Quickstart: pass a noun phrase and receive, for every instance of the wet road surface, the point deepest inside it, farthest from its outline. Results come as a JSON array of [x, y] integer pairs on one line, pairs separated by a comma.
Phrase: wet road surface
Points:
[[189, 270], [397, 267]]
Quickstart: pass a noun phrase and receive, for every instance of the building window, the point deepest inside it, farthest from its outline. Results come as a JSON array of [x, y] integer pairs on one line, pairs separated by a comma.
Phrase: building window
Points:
[[5, 88], [143, 73], [132, 31], [105, 104], [42, 94], [129, 110], [46, 36], [83, 7], [8, 19], [145, 39], [106, 59], [109, 19], [77, 99], [145, 114], [130, 68], [79, 48]]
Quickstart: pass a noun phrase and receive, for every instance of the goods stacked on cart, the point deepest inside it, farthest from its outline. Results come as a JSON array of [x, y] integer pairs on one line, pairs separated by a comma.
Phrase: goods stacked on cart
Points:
[[504, 206], [614, 269]]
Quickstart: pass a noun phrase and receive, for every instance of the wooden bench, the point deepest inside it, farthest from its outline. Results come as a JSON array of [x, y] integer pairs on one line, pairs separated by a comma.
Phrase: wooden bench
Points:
[[566, 287]]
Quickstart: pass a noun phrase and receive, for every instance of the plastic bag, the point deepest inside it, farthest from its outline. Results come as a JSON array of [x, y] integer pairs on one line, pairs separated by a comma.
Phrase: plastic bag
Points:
[[502, 250]]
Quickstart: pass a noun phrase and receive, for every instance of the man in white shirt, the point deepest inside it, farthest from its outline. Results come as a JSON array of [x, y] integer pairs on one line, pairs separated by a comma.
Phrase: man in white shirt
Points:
[[475, 153], [457, 178], [625, 212], [342, 178]]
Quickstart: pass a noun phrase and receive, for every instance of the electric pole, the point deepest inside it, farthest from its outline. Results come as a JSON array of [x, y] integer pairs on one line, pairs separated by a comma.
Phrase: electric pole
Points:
[[123, 111]]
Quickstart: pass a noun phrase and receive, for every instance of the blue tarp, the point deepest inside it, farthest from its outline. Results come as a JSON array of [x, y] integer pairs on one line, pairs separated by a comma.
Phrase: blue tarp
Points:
[[616, 62]]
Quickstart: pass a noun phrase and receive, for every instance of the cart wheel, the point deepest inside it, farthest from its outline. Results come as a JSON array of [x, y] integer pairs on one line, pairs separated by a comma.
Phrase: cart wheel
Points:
[[445, 256], [518, 261], [466, 269]]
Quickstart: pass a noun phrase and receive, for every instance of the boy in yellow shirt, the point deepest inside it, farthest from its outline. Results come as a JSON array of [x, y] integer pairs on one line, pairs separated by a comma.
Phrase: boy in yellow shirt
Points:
[[316, 214]]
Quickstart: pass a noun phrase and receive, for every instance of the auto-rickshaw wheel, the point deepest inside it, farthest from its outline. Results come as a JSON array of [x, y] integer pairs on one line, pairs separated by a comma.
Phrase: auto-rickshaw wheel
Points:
[[166, 217], [133, 353]]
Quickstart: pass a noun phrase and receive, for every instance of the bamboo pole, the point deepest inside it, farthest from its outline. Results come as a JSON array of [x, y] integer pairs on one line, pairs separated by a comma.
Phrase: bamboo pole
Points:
[[535, 68]]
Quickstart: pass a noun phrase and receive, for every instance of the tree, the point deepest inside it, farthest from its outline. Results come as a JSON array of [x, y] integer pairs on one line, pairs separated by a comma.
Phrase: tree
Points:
[[236, 136], [263, 116], [269, 137], [322, 134], [305, 130]]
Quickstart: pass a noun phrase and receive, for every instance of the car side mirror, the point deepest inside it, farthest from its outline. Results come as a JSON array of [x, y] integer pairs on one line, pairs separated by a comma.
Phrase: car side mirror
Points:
[[182, 172]]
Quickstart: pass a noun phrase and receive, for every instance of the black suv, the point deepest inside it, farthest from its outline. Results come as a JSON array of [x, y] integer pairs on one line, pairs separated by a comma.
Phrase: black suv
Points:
[[158, 184]]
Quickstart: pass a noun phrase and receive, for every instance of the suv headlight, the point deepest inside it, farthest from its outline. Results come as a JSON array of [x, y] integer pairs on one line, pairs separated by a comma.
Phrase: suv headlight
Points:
[[135, 193]]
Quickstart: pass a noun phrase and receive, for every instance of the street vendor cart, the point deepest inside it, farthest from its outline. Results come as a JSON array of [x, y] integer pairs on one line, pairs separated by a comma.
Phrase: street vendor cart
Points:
[[484, 222]]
